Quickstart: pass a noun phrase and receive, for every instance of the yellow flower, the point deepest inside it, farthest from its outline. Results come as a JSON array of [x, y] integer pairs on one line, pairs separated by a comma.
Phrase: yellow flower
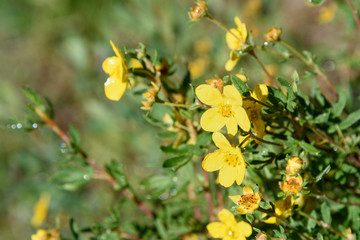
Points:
[[293, 165], [228, 228], [253, 109], [228, 159], [327, 13], [41, 234], [40, 210], [226, 109], [198, 11], [292, 184], [247, 202], [116, 67], [283, 209], [235, 40]]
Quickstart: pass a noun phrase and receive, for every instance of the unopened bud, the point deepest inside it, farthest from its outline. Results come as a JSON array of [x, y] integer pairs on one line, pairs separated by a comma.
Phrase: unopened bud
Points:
[[273, 34], [216, 83], [261, 236]]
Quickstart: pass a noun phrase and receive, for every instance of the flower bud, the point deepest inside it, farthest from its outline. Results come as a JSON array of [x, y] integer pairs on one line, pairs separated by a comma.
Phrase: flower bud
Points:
[[216, 83], [292, 184], [273, 34], [197, 12], [261, 236]]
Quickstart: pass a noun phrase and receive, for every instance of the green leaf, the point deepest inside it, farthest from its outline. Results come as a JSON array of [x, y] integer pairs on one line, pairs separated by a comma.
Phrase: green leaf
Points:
[[316, 2], [265, 205], [72, 177], [340, 104], [34, 98], [325, 171], [185, 113], [204, 139], [326, 212], [277, 95], [74, 136], [74, 228], [309, 148], [176, 161], [249, 217], [350, 120], [319, 237], [322, 118], [182, 149], [161, 229], [295, 80], [116, 171], [311, 224], [239, 84]]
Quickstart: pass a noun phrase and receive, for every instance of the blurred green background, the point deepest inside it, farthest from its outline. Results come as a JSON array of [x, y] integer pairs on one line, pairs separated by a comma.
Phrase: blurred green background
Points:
[[56, 47]]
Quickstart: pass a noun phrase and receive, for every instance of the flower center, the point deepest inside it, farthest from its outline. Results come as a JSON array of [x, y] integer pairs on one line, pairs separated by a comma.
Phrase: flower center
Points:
[[225, 110], [247, 201], [232, 160]]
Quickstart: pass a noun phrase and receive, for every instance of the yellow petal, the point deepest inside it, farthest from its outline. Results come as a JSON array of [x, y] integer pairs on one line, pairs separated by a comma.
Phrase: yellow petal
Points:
[[241, 210], [247, 190], [212, 121], [213, 161], [270, 220], [217, 230], [208, 94], [242, 138], [240, 173], [226, 217], [234, 39], [242, 118], [116, 50], [114, 88], [232, 95], [134, 63], [111, 65], [260, 93], [246, 228], [231, 126], [235, 198], [220, 141], [227, 175]]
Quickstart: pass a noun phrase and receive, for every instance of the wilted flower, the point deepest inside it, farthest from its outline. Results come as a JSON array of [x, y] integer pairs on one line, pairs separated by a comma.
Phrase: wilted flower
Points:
[[292, 184], [261, 236], [116, 67], [247, 202], [228, 228], [150, 96], [273, 34], [198, 11], [216, 83], [283, 209], [228, 159]]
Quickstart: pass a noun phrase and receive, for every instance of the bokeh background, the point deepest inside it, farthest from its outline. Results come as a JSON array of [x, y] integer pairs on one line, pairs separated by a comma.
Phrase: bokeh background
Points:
[[56, 47]]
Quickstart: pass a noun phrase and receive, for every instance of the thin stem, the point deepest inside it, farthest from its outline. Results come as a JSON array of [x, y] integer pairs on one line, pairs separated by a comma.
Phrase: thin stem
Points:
[[221, 25], [322, 224], [264, 141], [355, 13], [99, 172], [208, 196], [177, 104], [325, 196], [252, 53], [257, 101], [311, 65]]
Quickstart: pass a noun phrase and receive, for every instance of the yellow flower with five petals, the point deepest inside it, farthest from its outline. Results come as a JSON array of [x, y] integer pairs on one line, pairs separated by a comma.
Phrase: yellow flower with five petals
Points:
[[247, 202], [226, 109], [117, 82], [228, 228], [235, 40], [283, 209], [228, 159]]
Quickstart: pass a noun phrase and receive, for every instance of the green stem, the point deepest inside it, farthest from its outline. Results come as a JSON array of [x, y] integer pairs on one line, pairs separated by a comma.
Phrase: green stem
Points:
[[252, 53], [322, 224]]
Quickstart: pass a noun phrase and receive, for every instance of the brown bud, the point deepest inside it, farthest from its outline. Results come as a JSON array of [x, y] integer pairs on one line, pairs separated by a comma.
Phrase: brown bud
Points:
[[197, 12]]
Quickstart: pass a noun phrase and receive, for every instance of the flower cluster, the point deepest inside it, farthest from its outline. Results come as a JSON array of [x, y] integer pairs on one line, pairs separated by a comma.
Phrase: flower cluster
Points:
[[42, 234], [293, 181]]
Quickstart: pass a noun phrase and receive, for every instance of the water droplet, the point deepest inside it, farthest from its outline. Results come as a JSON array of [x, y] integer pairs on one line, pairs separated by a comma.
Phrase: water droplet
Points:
[[230, 233], [34, 125], [13, 126], [173, 192], [63, 145], [175, 179], [19, 125], [266, 43], [86, 177]]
